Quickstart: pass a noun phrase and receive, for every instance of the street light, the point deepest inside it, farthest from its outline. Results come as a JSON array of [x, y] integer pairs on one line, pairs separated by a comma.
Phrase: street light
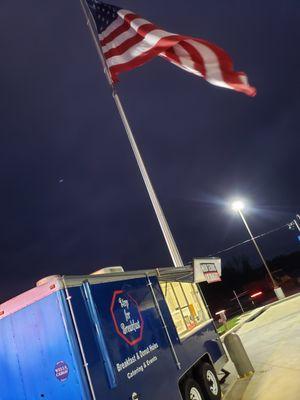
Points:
[[238, 206]]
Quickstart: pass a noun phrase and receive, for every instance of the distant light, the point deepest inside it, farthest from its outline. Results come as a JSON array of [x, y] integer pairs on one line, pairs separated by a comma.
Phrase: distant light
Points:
[[238, 205], [255, 294], [220, 312]]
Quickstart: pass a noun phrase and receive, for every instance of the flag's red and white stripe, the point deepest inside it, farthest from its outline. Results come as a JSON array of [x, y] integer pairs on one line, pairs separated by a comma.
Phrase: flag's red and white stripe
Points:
[[131, 41]]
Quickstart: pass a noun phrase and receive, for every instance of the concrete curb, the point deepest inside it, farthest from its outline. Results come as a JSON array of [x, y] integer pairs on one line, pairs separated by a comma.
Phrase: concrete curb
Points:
[[237, 389], [241, 386], [256, 313]]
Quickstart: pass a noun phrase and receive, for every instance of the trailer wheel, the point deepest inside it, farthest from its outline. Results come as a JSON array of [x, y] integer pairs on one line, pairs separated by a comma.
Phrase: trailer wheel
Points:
[[209, 382], [192, 390]]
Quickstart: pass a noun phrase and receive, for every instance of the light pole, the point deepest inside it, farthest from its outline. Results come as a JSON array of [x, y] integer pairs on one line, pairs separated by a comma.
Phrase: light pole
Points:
[[238, 206]]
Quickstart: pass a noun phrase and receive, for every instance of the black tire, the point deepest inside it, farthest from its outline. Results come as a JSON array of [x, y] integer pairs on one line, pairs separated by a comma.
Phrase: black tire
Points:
[[192, 390], [209, 382]]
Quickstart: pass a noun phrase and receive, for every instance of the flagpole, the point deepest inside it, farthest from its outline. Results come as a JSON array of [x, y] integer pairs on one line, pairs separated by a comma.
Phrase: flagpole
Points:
[[173, 250]]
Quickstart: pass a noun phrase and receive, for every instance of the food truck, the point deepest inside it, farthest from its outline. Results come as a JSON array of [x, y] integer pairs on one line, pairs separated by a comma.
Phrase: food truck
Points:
[[113, 335]]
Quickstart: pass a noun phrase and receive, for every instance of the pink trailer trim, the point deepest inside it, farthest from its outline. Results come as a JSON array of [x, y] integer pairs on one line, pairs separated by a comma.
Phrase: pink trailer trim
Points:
[[30, 296]]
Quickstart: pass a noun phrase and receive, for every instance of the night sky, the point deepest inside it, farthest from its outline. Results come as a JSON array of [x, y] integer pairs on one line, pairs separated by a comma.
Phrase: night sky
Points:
[[72, 198]]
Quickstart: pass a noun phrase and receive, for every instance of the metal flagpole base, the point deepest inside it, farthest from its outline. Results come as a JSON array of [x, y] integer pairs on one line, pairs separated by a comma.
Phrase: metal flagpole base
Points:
[[279, 293]]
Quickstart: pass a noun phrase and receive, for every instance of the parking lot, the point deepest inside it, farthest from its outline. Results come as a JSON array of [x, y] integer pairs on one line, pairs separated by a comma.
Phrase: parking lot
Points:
[[272, 341]]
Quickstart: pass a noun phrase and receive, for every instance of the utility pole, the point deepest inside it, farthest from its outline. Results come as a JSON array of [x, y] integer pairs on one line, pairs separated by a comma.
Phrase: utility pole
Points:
[[237, 298], [297, 222]]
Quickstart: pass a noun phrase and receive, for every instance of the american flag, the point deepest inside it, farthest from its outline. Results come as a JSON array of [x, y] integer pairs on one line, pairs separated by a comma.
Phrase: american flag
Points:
[[129, 41]]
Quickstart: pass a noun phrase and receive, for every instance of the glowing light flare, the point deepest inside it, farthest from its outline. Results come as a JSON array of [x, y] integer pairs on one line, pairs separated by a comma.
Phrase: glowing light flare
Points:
[[237, 205], [256, 295], [220, 312]]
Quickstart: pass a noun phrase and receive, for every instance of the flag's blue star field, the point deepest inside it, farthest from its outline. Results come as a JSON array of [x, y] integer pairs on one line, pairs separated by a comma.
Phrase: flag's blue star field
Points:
[[104, 14]]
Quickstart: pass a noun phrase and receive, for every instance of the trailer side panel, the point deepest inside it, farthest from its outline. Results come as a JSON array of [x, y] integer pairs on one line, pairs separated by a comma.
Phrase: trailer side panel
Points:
[[39, 357]]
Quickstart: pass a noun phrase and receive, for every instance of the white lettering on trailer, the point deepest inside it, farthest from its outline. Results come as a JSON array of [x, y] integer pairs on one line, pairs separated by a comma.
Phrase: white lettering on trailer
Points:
[[143, 353], [127, 315], [151, 361], [153, 346], [136, 357], [124, 303], [123, 365], [135, 372], [141, 368], [132, 327]]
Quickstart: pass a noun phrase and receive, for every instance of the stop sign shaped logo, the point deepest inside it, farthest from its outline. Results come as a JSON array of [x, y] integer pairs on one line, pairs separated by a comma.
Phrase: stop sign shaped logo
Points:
[[127, 317]]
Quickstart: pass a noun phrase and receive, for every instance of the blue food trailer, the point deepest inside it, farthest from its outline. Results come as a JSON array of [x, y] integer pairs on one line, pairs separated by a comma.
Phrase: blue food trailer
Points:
[[115, 335]]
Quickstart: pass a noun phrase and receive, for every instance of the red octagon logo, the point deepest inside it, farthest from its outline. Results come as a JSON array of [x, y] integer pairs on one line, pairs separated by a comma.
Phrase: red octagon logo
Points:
[[127, 318]]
